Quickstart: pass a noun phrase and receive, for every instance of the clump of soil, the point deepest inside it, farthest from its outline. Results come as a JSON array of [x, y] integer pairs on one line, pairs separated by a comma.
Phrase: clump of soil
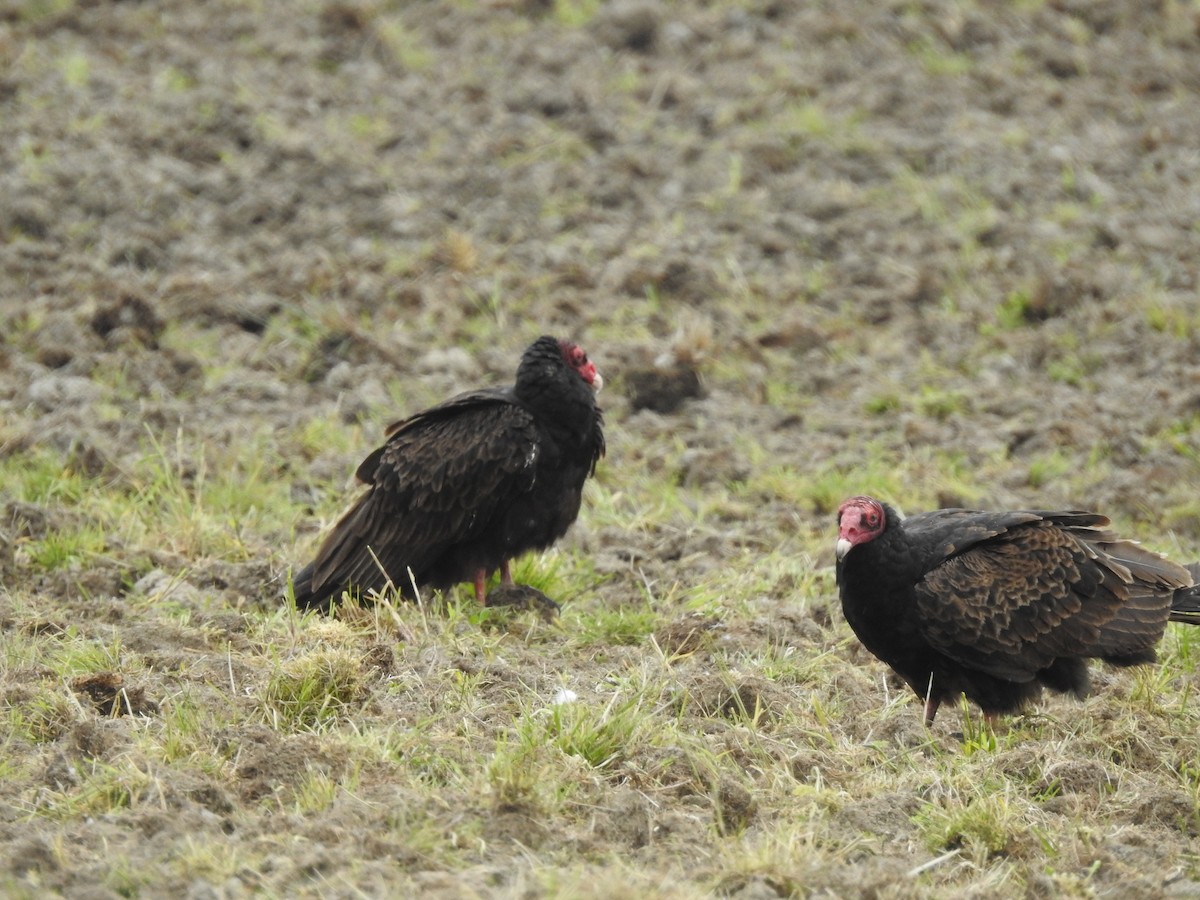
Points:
[[111, 696]]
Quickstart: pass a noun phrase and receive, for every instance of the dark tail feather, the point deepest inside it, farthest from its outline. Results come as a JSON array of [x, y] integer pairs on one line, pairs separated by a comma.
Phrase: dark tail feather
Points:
[[306, 597], [1185, 605]]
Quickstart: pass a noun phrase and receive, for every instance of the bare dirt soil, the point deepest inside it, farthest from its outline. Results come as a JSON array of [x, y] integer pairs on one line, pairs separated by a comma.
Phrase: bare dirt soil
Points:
[[946, 251]]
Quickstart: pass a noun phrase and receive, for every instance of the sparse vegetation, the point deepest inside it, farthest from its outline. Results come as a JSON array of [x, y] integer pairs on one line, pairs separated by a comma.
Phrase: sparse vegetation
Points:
[[941, 253]]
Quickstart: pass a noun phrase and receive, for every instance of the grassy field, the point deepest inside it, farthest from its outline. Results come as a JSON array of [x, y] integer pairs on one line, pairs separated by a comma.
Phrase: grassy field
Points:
[[693, 723], [943, 252]]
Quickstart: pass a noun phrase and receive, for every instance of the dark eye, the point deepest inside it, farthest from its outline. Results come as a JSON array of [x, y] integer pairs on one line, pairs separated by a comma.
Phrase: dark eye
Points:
[[578, 357]]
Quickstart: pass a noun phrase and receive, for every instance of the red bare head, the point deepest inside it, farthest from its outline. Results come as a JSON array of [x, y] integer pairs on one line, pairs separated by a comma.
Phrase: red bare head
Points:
[[578, 360], [860, 519]]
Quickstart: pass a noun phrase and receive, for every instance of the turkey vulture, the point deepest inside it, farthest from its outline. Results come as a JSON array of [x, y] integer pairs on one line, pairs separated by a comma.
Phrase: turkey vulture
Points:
[[998, 605], [460, 489]]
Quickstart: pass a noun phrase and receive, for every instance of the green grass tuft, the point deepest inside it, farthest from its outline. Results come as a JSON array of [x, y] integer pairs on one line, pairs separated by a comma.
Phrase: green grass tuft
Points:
[[313, 691]]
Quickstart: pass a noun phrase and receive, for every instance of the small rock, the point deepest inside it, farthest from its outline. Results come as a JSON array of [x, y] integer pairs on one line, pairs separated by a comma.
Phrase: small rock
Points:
[[451, 360], [53, 391], [160, 584]]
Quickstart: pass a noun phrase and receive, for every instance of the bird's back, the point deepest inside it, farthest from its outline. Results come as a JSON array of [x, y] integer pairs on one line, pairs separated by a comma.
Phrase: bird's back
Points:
[[464, 486], [438, 482]]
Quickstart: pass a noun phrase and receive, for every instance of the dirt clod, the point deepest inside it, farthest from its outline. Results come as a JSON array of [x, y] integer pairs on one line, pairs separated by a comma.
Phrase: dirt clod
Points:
[[111, 696]]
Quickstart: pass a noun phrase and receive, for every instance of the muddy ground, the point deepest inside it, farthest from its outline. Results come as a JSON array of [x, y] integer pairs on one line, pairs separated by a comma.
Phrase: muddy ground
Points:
[[945, 250]]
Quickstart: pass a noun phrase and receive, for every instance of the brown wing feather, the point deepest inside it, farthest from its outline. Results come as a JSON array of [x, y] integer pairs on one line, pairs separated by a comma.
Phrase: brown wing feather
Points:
[[1014, 603], [1185, 605], [1151, 582], [439, 479]]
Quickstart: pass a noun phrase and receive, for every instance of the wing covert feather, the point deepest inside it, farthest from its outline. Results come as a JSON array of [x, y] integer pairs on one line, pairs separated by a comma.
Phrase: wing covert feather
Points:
[[1012, 604], [438, 479]]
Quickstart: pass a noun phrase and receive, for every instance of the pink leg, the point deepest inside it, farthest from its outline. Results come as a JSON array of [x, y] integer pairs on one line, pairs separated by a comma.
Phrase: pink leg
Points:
[[505, 573], [480, 587]]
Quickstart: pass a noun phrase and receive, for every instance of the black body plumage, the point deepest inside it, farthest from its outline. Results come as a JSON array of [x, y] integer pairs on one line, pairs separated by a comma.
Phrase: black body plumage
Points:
[[458, 490], [999, 605]]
